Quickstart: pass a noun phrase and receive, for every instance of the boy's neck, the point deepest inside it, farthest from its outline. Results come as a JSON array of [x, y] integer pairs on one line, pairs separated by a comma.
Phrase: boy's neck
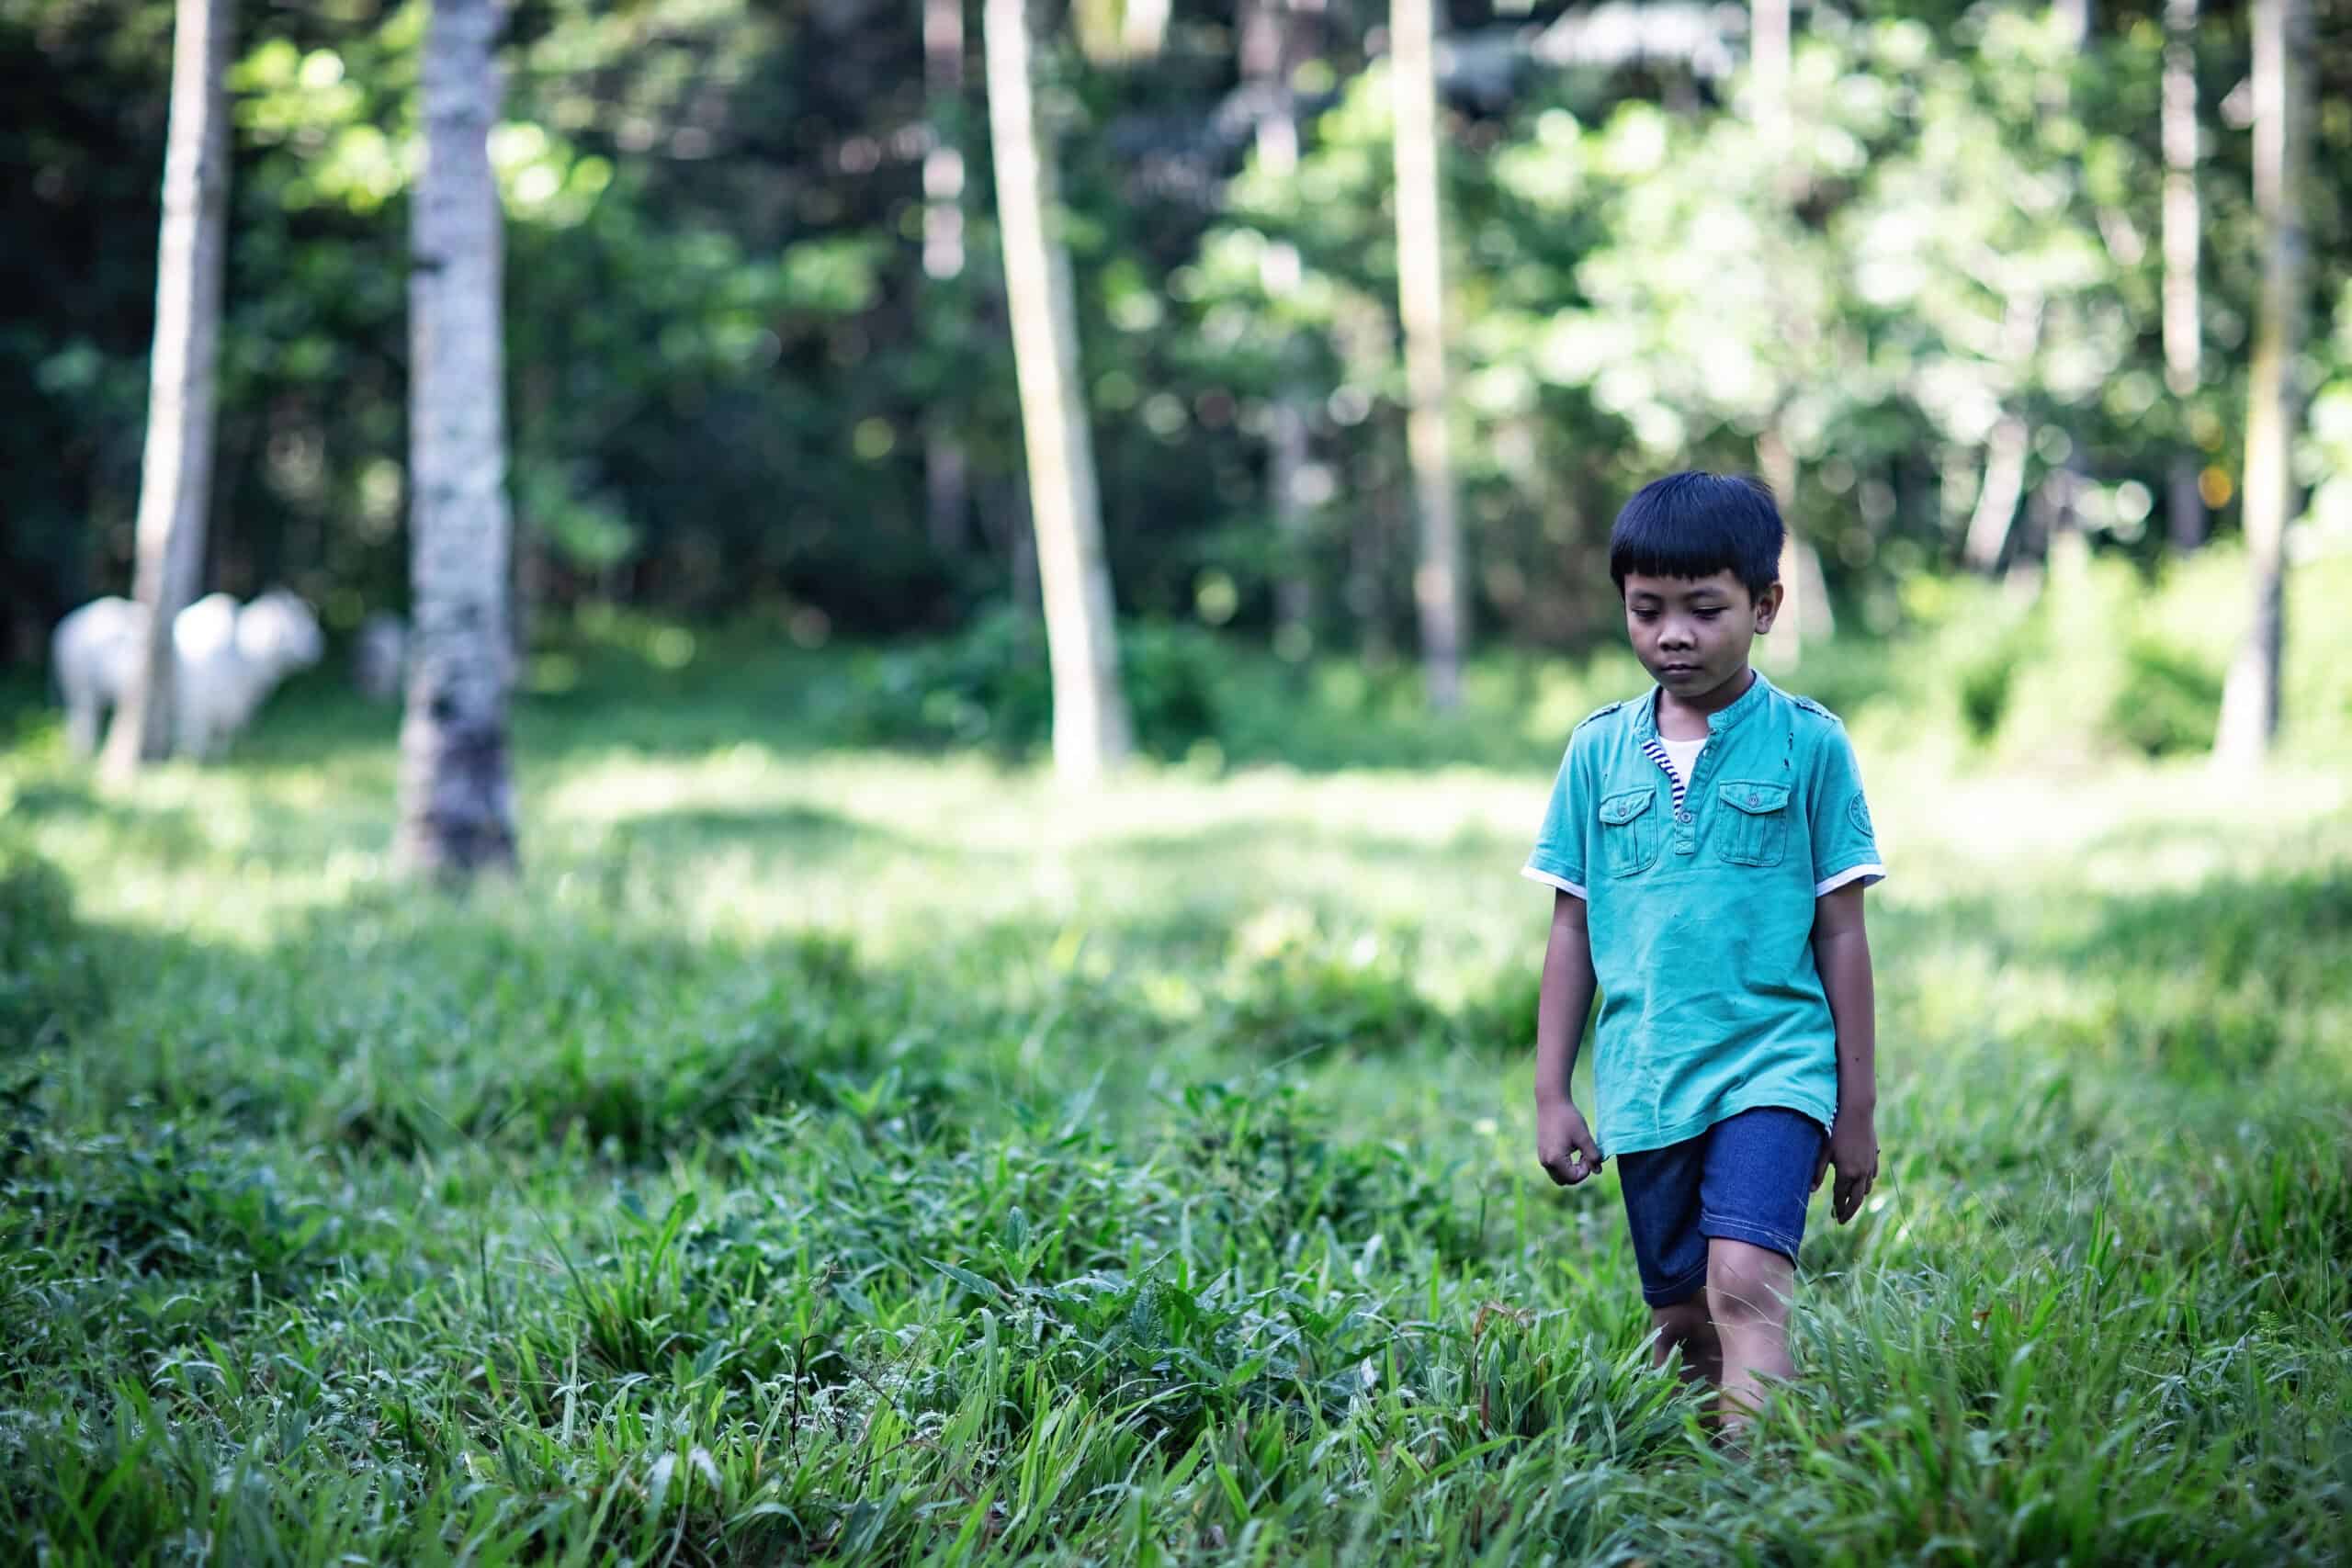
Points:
[[1697, 710]]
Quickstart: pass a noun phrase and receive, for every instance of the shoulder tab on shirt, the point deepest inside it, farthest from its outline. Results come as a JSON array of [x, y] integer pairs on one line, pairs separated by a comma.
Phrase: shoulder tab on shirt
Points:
[[1811, 706], [1598, 712]]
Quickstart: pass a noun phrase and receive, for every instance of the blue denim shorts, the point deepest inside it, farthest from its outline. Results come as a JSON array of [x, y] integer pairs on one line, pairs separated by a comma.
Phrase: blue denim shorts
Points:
[[1748, 1177]]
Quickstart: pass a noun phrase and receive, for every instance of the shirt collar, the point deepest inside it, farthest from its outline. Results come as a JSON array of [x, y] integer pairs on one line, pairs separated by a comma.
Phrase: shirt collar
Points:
[[1747, 703]]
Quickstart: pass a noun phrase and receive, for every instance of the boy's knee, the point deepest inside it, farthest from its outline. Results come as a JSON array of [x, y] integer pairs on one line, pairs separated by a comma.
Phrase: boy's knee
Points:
[[1747, 1284]]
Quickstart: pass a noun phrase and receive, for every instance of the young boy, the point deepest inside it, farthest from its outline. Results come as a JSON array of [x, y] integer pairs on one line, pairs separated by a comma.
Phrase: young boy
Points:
[[1709, 845]]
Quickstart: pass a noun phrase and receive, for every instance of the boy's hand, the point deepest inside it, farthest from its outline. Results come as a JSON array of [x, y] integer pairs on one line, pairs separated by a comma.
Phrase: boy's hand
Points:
[[1853, 1149], [1564, 1144]]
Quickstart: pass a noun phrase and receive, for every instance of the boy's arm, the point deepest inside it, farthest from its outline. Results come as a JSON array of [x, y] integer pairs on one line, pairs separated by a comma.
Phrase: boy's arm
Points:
[[1564, 1144], [1841, 951]]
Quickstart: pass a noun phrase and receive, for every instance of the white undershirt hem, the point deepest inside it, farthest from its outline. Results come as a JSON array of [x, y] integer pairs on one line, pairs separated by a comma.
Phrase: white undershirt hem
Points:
[[1871, 870], [1548, 880]]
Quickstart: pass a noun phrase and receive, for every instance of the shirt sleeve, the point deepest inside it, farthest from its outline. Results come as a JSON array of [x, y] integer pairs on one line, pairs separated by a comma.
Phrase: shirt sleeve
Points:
[[1558, 860], [1845, 842]]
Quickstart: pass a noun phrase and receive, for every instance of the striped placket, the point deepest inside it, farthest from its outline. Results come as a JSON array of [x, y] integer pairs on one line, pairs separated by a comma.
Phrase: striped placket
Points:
[[1655, 750]]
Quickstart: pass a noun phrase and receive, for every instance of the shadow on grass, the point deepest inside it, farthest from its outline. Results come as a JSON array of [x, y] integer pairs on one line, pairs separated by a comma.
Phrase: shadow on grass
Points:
[[2220, 980], [170, 834], [806, 833], [393, 1024]]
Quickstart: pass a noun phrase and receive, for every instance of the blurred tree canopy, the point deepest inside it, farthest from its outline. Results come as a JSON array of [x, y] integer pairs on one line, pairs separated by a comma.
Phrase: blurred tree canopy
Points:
[[725, 354]]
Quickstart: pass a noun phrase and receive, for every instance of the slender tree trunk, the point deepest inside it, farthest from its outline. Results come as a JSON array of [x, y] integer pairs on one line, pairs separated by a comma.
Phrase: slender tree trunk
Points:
[[1377, 521], [1090, 728], [947, 487], [1769, 67], [2057, 504], [2281, 136], [2183, 334], [1998, 496], [1266, 59], [175, 470], [2052, 512], [1778, 464], [948, 473], [457, 809], [2186, 519], [1804, 598], [1805, 614], [1288, 449], [1143, 28], [1420, 287]]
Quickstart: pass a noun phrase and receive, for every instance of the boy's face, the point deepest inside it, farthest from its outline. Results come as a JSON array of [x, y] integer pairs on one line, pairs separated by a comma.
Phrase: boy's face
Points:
[[1692, 632]]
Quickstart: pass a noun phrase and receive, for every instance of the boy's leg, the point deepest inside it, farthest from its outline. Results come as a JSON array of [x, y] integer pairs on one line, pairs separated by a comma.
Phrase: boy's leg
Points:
[[1661, 1193], [1752, 1201], [1687, 1326], [1748, 1295]]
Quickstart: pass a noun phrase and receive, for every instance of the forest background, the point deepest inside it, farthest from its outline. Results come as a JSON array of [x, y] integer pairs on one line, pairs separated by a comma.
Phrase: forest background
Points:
[[759, 370]]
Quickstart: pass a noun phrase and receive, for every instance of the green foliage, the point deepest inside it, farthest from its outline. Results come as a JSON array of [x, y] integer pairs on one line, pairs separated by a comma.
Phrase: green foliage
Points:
[[732, 379], [2169, 704], [993, 686], [2098, 659]]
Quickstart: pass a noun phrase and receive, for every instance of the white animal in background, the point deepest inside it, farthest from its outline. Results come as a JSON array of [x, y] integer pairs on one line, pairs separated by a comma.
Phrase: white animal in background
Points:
[[91, 655], [228, 658], [379, 656]]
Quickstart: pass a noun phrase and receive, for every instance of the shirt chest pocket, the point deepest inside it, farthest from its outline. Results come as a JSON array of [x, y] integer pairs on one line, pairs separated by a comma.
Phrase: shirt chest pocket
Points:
[[1752, 827], [1628, 831]]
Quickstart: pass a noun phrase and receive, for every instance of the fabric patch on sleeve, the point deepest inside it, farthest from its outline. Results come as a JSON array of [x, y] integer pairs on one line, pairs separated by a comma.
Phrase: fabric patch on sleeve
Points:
[[1858, 813]]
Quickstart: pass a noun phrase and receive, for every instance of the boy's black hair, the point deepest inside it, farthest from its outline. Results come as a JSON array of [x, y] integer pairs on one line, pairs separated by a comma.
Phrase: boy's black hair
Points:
[[1695, 525]]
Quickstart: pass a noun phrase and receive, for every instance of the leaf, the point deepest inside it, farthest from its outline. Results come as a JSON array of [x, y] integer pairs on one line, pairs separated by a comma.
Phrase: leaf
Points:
[[968, 1279]]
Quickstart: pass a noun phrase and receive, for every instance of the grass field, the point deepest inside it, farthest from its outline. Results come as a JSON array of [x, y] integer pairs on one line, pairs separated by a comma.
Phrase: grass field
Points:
[[836, 1154]]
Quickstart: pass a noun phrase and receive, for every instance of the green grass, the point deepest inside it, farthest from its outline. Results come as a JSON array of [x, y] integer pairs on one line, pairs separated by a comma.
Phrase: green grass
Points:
[[841, 1154]]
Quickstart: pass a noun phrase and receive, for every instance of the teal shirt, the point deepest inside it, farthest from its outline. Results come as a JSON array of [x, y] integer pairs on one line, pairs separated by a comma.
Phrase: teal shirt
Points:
[[1700, 903]]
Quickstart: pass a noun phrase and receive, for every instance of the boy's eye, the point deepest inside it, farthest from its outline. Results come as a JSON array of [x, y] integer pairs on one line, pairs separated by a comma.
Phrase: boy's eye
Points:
[[1710, 612]]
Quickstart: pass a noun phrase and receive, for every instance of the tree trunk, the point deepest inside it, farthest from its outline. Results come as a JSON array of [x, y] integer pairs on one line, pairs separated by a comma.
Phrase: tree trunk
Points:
[[1779, 463], [947, 487], [1996, 497], [1377, 518], [1090, 728], [2183, 334], [1266, 59], [947, 472], [175, 470], [1143, 28], [1287, 466], [2057, 506], [2282, 135], [1769, 67], [2186, 517], [1421, 289], [457, 809]]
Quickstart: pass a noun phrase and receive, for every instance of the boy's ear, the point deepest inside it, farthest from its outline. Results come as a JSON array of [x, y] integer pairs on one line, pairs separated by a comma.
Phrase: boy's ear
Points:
[[1767, 606]]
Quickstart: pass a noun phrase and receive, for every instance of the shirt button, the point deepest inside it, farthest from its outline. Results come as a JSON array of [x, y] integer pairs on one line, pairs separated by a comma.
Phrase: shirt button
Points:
[[1682, 817]]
